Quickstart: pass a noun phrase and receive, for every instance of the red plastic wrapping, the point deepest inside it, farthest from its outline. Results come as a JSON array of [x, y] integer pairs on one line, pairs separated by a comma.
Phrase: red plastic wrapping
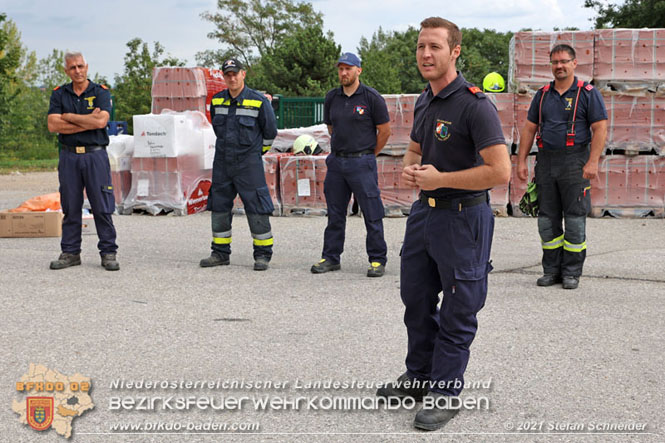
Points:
[[629, 186], [530, 57], [301, 184], [505, 106], [400, 109], [397, 198], [185, 89], [636, 123], [630, 59]]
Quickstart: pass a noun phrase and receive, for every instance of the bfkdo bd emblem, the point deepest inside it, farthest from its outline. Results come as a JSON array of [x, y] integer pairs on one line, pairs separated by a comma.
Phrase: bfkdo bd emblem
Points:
[[39, 412]]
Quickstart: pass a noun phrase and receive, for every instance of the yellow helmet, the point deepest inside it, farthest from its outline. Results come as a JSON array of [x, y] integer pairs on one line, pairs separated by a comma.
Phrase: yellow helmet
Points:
[[493, 82], [306, 145]]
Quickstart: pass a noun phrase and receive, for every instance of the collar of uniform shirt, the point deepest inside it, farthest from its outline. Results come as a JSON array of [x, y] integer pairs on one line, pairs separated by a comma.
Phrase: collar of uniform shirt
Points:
[[448, 90]]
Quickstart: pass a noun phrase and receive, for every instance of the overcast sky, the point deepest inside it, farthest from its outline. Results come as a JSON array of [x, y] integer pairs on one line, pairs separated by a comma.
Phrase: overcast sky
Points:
[[101, 29]]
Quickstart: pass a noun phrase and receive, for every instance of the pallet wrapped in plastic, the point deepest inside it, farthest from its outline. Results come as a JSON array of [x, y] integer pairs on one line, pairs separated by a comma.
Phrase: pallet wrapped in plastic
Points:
[[529, 60], [630, 61], [301, 184], [173, 154], [400, 109], [505, 106], [271, 170], [629, 187], [397, 198], [522, 104], [176, 184], [285, 137], [120, 150], [636, 124], [185, 89]]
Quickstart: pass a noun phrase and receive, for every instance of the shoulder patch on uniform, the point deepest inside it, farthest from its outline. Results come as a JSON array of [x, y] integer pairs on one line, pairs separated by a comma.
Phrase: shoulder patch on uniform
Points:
[[588, 87], [104, 86], [56, 88], [475, 90]]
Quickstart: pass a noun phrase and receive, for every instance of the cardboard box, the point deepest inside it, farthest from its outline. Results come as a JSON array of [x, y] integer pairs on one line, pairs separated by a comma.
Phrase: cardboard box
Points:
[[168, 135], [30, 224]]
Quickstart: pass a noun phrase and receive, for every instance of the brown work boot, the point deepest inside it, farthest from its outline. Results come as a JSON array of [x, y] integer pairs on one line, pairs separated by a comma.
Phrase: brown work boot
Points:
[[66, 260], [109, 262]]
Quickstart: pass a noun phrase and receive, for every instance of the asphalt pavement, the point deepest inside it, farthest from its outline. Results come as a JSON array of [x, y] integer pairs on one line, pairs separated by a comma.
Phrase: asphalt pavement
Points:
[[547, 364]]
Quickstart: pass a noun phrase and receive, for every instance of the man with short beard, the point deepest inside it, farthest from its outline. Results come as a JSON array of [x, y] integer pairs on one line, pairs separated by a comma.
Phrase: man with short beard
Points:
[[359, 125]]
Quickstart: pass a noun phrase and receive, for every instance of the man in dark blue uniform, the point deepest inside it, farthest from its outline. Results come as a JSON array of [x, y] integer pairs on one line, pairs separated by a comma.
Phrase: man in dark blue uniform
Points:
[[359, 125], [564, 116], [78, 112], [245, 125], [456, 153]]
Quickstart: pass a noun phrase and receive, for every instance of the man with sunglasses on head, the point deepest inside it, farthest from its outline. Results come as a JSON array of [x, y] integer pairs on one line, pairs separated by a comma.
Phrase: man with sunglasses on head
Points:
[[568, 119]]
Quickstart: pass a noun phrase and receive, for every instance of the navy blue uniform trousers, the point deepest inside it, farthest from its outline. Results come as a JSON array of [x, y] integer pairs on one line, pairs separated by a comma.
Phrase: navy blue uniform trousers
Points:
[[92, 172], [357, 175], [445, 250]]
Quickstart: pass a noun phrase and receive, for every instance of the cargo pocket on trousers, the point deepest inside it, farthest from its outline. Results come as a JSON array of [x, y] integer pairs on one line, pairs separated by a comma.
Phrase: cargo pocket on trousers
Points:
[[470, 288], [373, 210], [108, 199], [265, 205]]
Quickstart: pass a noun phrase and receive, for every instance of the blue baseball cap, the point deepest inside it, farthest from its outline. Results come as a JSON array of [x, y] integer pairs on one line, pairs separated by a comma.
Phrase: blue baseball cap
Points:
[[350, 59]]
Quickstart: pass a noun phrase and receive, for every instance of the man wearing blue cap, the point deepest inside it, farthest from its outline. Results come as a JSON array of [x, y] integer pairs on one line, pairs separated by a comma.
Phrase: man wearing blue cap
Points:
[[359, 126]]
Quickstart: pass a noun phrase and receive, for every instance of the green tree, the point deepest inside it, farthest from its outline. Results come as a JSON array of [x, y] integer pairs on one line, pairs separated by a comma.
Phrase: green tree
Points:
[[251, 29], [389, 62], [483, 52], [631, 14], [302, 65], [52, 70], [132, 89], [23, 106]]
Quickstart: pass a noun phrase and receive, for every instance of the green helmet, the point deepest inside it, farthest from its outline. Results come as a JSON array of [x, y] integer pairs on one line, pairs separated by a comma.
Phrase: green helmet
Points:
[[493, 82], [307, 145]]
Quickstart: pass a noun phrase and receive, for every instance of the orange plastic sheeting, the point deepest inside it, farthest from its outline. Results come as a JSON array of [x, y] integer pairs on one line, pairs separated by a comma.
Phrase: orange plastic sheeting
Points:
[[46, 202]]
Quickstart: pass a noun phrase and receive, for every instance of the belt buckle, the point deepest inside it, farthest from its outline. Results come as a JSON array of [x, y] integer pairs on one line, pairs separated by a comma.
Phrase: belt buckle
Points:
[[431, 202], [80, 149]]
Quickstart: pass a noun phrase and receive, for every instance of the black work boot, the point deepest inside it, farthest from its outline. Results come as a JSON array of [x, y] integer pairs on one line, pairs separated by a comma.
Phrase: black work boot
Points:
[[109, 262], [376, 269], [570, 282], [214, 260], [324, 266], [66, 260], [405, 386], [548, 280], [261, 264], [435, 415]]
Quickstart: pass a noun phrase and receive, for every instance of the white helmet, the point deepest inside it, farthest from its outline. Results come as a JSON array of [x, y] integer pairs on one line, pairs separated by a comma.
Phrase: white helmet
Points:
[[306, 145]]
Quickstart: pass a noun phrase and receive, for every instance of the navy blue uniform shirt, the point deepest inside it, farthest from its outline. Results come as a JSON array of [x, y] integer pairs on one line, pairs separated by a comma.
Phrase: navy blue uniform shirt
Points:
[[556, 112], [64, 100], [354, 119], [243, 124], [452, 128]]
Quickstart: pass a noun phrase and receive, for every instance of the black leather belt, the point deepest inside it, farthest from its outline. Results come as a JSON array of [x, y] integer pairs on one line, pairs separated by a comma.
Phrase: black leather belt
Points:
[[442, 203], [83, 149], [354, 154]]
